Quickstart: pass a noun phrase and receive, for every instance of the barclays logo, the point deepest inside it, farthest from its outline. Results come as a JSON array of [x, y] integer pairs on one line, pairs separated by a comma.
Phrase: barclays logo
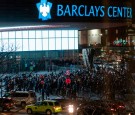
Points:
[[44, 9]]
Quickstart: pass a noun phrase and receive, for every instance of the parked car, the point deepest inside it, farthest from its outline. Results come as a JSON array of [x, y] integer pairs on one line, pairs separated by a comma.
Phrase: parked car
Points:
[[6, 104], [47, 106], [22, 98], [103, 107]]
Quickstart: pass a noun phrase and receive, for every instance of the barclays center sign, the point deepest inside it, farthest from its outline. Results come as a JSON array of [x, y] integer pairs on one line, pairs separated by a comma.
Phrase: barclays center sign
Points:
[[94, 11], [81, 12]]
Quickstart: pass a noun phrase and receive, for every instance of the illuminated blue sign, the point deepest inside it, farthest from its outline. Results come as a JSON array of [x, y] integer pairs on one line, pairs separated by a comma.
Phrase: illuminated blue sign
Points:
[[123, 12], [94, 11], [44, 8], [69, 11]]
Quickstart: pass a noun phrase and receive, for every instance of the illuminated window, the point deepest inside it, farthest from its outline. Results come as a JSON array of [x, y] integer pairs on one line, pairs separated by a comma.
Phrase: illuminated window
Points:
[[18, 34], [38, 44], [45, 44], [76, 43], [45, 33], [4, 35], [36, 40], [25, 45], [64, 33], [12, 43], [51, 34], [58, 33], [65, 44], [106, 32], [71, 33], [58, 44], [32, 34], [32, 46], [25, 34], [71, 43], [12, 34], [18, 44], [76, 33], [4, 45], [52, 44], [38, 34]]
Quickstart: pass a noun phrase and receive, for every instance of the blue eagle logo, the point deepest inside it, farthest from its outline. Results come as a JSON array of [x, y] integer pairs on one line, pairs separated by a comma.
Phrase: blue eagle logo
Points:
[[44, 9]]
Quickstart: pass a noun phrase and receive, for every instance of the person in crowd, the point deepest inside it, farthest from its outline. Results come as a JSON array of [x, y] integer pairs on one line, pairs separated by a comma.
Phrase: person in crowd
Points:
[[91, 56], [43, 93]]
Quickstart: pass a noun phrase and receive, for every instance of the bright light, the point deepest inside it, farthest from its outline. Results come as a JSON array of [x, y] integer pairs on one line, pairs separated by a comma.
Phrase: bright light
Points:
[[31, 27], [70, 108]]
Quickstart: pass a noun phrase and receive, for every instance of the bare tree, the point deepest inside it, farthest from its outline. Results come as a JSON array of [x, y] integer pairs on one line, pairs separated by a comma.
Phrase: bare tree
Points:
[[7, 59]]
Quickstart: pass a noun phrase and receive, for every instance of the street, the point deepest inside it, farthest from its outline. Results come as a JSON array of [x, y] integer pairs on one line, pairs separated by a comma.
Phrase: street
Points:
[[16, 111], [19, 111]]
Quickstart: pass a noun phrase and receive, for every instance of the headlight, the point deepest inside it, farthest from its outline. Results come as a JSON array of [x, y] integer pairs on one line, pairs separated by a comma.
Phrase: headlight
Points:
[[129, 113], [70, 108], [77, 108]]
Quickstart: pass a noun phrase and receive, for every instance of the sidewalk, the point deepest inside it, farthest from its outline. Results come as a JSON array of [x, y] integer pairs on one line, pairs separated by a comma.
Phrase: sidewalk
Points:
[[39, 97]]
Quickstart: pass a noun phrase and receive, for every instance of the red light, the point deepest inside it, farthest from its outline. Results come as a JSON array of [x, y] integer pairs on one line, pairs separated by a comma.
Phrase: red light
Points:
[[7, 104]]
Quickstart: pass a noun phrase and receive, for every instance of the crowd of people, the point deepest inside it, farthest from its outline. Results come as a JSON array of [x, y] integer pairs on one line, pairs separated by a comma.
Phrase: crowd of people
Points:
[[55, 84], [100, 81]]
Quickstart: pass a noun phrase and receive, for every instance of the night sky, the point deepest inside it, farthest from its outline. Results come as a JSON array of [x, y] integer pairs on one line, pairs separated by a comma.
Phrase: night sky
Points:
[[26, 11]]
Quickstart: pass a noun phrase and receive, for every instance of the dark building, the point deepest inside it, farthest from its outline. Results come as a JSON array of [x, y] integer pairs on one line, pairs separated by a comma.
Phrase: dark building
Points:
[[41, 32]]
